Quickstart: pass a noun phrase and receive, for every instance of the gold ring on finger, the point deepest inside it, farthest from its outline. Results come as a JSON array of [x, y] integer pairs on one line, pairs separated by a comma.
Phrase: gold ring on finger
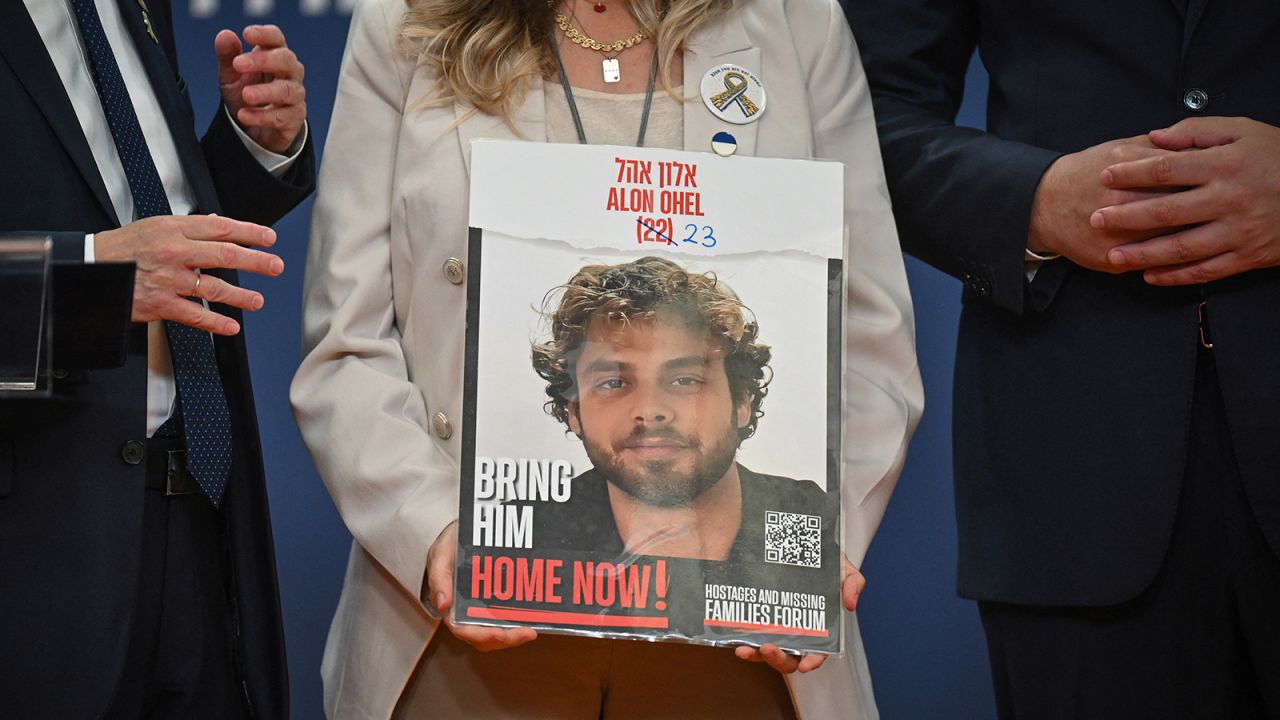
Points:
[[196, 289]]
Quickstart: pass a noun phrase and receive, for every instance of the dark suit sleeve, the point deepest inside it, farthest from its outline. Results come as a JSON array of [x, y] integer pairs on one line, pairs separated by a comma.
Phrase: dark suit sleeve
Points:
[[246, 190], [962, 197], [68, 246]]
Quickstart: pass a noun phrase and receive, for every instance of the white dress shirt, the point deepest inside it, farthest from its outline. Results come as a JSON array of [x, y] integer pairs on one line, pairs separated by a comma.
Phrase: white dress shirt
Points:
[[56, 23]]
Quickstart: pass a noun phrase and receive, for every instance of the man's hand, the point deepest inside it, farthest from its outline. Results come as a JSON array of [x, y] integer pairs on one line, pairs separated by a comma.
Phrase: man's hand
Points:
[[441, 558], [851, 586], [169, 249], [1223, 214], [262, 87], [1068, 194]]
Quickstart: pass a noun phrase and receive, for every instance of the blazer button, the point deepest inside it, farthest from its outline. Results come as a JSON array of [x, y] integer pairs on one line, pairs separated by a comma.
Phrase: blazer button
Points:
[[443, 428], [1195, 99], [455, 271], [133, 452]]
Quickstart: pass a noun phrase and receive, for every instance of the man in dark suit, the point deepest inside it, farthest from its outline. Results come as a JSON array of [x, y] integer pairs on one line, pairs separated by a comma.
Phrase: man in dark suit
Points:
[[135, 544], [1117, 230]]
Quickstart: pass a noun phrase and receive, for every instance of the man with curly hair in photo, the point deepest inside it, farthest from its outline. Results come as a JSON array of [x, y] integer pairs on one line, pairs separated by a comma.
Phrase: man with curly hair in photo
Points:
[[661, 375]]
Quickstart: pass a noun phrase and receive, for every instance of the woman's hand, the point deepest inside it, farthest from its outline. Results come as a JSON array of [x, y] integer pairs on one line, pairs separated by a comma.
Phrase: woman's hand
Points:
[[851, 586], [441, 559]]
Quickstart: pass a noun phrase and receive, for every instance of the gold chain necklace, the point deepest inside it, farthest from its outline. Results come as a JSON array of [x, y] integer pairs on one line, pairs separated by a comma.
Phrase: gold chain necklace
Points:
[[590, 43]]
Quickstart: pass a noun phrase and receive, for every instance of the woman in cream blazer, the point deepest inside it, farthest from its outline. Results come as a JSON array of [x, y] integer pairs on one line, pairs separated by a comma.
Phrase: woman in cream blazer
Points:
[[379, 394]]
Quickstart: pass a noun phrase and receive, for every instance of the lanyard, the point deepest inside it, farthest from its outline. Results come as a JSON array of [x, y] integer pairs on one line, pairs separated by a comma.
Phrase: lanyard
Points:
[[573, 106]]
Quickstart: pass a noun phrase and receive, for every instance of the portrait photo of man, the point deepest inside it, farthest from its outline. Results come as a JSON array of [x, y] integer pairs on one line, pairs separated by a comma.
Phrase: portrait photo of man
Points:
[[661, 374]]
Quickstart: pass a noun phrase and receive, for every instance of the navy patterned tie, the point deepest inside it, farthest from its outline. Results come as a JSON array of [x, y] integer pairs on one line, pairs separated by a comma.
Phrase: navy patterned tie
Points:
[[200, 412]]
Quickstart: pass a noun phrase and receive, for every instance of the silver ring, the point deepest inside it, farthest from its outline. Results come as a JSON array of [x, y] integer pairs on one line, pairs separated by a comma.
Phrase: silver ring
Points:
[[196, 289]]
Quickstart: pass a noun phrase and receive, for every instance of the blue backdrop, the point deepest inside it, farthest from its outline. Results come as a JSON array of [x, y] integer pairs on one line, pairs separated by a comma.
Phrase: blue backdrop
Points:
[[927, 655]]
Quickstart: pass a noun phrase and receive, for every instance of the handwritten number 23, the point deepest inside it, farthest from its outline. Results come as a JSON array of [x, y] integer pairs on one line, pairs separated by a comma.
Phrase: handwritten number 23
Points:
[[708, 238]]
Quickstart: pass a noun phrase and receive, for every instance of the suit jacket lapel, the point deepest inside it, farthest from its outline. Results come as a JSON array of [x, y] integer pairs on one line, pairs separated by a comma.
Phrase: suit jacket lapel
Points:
[[725, 42], [1195, 10], [530, 123], [24, 50], [170, 92]]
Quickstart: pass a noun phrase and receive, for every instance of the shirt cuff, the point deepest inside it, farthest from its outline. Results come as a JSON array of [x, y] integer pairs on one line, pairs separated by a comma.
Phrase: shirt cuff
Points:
[[272, 162], [89, 256], [1032, 262]]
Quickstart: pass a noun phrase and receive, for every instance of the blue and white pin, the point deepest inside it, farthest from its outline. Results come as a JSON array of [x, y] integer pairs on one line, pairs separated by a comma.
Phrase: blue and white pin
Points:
[[724, 144], [733, 93]]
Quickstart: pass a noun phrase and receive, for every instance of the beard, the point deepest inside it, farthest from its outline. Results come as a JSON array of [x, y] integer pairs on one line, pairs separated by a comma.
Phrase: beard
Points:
[[665, 483]]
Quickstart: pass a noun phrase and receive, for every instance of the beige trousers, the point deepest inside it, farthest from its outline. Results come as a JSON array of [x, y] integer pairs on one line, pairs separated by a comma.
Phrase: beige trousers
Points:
[[577, 678]]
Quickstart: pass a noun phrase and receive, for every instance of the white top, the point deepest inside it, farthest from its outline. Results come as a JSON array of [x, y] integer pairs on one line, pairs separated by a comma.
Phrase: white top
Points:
[[614, 118]]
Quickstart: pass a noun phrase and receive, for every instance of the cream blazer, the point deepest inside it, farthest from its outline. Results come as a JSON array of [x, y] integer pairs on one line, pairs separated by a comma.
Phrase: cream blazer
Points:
[[378, 396]]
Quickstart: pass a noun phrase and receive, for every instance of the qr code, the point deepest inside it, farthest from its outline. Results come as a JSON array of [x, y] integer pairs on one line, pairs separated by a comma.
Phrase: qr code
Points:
[[793, 539]]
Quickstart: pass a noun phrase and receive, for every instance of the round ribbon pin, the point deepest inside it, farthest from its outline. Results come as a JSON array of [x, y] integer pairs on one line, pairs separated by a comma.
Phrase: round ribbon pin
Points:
[[733, 93], [724, 144]]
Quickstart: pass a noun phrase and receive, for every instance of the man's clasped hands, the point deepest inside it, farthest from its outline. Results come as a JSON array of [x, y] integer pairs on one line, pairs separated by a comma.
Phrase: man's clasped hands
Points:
[[1189, 204]]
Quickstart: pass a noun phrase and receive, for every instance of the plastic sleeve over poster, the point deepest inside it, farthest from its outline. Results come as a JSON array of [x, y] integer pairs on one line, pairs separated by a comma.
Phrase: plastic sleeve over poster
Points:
[[652, 418]]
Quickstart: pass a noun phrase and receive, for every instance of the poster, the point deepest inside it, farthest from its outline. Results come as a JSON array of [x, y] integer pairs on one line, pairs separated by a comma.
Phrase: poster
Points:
[[652, 403]]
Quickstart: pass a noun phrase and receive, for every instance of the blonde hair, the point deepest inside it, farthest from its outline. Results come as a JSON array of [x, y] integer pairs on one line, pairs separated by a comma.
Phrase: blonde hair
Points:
[[484, 53]]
